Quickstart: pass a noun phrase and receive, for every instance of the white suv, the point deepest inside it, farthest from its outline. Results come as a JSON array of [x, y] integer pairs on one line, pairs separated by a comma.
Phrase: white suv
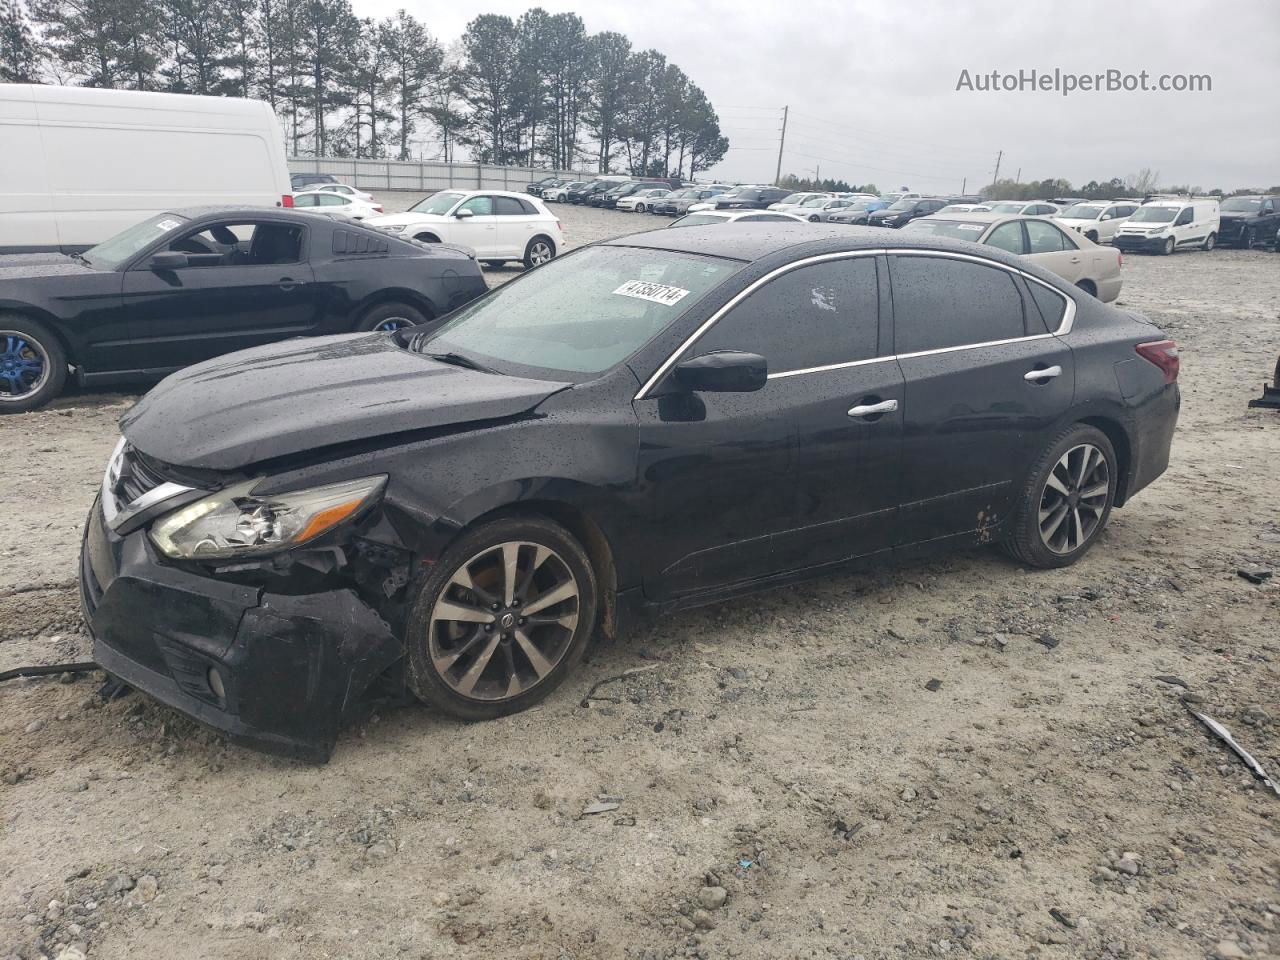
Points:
[[1097, 219], [499, 226]]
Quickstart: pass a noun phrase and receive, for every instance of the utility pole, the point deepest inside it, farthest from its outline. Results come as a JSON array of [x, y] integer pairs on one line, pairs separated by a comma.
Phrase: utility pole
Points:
[[1018, 176], [964, 183], [781, 141], [996, 178]]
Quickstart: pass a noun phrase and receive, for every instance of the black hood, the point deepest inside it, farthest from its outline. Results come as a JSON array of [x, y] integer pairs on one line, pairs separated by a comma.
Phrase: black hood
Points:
[[28, 266], [301, 395]]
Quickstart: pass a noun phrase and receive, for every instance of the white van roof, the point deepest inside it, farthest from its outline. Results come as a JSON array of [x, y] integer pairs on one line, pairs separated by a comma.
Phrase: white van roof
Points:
[[133, 107]]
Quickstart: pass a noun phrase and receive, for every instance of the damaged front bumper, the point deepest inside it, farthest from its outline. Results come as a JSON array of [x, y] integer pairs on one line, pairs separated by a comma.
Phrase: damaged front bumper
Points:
[[277, 672]]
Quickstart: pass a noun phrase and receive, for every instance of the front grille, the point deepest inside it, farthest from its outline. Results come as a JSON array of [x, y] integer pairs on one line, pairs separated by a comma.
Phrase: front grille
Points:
[[136, 477]]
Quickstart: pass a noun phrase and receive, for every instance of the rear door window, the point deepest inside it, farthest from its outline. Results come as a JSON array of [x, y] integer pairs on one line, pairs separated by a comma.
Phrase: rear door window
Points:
[[940, 302]]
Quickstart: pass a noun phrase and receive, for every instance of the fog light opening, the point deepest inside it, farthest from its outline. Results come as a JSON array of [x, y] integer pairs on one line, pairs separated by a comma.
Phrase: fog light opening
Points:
[[215, 684]]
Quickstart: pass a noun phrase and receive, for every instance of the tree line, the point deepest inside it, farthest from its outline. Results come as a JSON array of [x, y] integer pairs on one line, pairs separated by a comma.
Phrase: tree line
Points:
[[537, 90], [1136, 185]]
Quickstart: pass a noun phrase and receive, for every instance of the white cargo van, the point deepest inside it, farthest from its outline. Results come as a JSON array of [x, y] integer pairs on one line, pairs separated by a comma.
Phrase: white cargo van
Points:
[[1169, 224], [78, 165]]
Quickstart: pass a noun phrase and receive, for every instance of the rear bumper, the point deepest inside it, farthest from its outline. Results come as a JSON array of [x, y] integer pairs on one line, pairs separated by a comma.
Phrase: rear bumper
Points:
[[1156, 418], [276, 672]]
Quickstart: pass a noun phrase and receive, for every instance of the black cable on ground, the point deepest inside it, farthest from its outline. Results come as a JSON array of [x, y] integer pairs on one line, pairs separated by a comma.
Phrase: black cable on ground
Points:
[[44, 671]]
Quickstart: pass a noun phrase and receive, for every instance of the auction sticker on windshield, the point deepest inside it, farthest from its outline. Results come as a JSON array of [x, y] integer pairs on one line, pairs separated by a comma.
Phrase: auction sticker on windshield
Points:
[[653, 292]]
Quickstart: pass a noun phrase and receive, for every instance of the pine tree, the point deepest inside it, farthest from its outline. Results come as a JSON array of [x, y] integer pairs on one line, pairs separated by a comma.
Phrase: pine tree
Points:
[[414, 58], [18, 52]]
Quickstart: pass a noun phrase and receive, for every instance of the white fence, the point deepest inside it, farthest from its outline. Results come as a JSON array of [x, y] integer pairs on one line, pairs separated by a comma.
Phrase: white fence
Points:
[[426, 176]]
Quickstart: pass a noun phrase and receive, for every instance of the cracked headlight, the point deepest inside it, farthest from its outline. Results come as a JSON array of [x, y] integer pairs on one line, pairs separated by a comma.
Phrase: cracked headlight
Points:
[[235, 523]]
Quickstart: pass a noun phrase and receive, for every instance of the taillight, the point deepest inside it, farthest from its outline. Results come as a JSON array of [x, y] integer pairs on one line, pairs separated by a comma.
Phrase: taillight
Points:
[[286, 200], [1119, 258], [378, 207], [1164, 354]]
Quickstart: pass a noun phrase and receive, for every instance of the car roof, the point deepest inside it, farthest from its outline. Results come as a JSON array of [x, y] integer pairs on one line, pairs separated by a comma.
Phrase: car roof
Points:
[[757, 241], [981, 216]]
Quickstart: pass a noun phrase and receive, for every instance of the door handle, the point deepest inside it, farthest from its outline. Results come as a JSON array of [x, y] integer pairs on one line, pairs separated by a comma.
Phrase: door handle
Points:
[[288, 283], [873, 409], [1042, 374]]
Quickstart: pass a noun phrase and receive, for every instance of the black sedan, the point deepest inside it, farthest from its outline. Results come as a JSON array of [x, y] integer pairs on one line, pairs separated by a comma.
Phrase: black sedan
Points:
[[664, 420], [182, 287]]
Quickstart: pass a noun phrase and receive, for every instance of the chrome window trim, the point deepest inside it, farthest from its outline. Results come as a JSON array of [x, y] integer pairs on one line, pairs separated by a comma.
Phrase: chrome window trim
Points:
[[1068, 314]]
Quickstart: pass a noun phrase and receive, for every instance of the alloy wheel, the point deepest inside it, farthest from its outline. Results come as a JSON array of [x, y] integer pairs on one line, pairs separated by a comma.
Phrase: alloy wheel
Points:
[[539, 252], [1074, 498], [393, 323], [503, 621], [1246, 238], [24, 365]]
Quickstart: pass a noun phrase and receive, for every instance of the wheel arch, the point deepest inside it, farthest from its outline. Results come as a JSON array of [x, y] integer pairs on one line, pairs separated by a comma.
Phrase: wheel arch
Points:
[[577, 507], [413, 298], [45, 318], [1120, 442]]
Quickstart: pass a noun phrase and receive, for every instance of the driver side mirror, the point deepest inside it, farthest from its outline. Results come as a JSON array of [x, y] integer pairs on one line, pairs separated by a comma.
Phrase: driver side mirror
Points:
[[168, 260], [463, 214], [725, 371]]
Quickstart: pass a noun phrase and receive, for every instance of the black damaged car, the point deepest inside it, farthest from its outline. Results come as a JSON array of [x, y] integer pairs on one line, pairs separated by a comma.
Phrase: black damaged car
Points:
[[1246, 221], [644, 425], [182, 287]]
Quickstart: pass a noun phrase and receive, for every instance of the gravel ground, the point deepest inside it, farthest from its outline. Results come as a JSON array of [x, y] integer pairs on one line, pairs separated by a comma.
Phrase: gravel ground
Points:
[[786, 785]]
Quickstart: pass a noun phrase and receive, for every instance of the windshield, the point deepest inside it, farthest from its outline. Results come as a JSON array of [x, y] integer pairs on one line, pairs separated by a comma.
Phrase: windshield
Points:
[[1154, 214], [580, 315], [1009, 206], [816, 202], [111, 254], [955, 229], [794, 198], [1082, 211], [1242, 204], [680, 194], [903, 204], [440, 203]]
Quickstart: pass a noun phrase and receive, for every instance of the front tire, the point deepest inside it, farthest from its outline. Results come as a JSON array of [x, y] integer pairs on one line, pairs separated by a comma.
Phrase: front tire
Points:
[[502, 618], [33, 365], [1092, 236], [427, 238], [538, 252], [390, 316], [1246, 238], [1067, 499], [1167, 249], [640, 208]]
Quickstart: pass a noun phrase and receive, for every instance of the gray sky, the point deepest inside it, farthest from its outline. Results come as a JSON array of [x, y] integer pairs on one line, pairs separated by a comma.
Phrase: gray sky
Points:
[[872, 84]]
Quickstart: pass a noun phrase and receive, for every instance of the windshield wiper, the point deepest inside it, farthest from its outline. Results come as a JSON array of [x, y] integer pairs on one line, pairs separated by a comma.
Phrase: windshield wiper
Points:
[[78, 256], [458, 360]]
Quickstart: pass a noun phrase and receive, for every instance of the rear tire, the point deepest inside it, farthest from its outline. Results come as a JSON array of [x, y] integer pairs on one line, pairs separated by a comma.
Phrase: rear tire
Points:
[[390, 316], [1088, 287], [473, 661], [1209, 242], [539, 251], [1052, 528], [33, 365]]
